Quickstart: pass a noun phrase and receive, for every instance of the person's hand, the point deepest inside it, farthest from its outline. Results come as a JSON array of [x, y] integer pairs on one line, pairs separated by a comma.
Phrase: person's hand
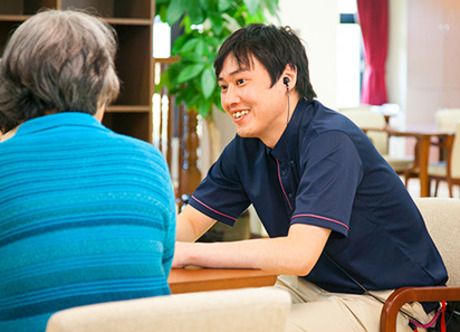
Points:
[[179, 260]]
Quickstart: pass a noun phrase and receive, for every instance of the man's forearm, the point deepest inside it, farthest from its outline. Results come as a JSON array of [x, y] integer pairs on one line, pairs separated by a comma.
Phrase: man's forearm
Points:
[[294, 254]]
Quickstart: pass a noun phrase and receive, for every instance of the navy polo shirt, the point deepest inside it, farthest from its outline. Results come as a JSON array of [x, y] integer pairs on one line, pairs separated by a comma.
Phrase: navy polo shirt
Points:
[[324, 171]]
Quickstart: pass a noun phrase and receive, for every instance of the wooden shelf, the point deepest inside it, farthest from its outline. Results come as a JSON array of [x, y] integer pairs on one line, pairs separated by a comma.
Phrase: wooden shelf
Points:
[[13, 18], [129, 21], [131, 113], [128, 109]]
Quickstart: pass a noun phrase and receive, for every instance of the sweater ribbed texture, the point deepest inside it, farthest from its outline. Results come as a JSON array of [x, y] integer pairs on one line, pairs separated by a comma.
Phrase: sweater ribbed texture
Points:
[[86, 216]]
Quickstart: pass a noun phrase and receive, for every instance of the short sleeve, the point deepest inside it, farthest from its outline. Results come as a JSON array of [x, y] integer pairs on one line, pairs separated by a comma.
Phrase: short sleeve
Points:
[[221, 195], [331, 170]]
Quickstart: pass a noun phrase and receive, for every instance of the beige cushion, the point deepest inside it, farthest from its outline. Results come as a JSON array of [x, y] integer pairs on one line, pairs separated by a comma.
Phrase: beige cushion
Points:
[[442, 217], [447, 119], [399, 164], [250, 309], [455, 158], [438, 169]]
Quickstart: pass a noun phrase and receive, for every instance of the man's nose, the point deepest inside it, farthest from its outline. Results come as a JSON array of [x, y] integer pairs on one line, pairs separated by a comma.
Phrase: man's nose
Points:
[[231, 97]]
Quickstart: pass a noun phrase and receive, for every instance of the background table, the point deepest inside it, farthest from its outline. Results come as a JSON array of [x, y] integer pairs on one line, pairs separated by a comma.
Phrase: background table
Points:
[[423, 135]]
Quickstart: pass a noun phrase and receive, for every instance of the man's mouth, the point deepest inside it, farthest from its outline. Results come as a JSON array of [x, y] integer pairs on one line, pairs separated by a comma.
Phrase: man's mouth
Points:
[[240, 114]]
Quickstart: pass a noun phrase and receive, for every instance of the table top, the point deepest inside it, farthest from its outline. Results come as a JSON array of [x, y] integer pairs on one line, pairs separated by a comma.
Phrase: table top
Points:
[[416, 130], [411, 130], [201, 279]]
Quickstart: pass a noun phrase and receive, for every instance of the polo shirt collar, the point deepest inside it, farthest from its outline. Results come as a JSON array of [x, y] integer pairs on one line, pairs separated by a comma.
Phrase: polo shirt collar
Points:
[[286, 147], [50, 121]]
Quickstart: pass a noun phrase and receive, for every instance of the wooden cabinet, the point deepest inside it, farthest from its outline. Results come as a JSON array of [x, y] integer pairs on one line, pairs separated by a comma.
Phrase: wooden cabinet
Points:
[[131, 113], [433, 52]]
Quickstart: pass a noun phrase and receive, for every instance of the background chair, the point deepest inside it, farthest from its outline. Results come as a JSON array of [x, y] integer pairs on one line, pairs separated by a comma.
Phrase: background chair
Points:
[[446, 120], [364, 118], [250, 309], [441, 216], [449, 170]]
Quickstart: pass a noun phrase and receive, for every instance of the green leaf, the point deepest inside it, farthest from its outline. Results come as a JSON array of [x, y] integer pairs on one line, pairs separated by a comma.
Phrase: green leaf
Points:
[[204, 108], [176, 9], [208, 82], [195, 12], [252, 5], [190, 45], [217, 23], [189, 72], [224, 5], [272, 6]]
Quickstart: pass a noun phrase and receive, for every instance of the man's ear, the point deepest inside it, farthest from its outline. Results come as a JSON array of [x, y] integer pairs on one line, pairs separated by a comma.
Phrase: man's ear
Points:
[[289, 77]]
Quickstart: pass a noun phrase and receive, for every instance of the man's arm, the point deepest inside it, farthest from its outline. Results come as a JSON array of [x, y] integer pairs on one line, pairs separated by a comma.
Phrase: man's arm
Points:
[[191, 224], [294, 254]]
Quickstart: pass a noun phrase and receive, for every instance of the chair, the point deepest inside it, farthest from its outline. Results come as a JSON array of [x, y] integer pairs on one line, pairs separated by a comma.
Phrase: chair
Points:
[[364, 117], [446, 120], [250, 309], [441, 218], [449, 170]]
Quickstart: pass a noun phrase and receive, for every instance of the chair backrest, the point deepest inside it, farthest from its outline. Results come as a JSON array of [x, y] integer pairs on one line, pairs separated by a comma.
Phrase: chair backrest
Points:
[[455, 154], [447, 118], [364, 117], [442, 217], [250, 309]]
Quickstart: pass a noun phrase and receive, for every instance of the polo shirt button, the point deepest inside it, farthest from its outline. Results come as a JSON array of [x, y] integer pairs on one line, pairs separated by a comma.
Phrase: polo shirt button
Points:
[[283, 172], [290, 195]]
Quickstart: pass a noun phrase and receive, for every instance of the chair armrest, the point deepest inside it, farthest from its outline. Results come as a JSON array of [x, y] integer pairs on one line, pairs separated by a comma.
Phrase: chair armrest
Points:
[[405, 295]]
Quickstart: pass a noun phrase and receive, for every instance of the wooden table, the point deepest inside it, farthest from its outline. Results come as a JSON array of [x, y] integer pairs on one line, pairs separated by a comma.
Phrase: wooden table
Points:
[[198, 279], [423, 135]]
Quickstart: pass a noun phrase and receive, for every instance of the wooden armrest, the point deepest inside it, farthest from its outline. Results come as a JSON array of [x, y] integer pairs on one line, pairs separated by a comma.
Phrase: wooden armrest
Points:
[[405, 295]]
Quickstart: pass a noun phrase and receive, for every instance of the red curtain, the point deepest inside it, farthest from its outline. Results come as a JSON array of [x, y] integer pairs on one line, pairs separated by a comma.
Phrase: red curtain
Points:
[[373, 19]]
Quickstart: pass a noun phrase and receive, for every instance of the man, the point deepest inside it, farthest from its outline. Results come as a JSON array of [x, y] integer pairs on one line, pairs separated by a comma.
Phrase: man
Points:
[[337, 214]]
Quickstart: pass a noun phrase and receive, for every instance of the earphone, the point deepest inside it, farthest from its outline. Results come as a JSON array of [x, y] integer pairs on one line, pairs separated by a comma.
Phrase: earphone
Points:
[[286, 81]]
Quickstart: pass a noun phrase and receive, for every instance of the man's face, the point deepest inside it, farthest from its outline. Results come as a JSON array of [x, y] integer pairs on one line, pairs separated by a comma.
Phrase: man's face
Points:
[[257, 109]]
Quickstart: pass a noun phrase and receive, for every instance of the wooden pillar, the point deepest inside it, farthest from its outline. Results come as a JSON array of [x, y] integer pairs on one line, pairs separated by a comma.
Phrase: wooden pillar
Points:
[[190, 175]]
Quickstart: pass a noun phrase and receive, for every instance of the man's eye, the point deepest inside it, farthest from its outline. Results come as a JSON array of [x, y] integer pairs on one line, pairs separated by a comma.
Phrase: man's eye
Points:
[[223, 87], [240, 81]]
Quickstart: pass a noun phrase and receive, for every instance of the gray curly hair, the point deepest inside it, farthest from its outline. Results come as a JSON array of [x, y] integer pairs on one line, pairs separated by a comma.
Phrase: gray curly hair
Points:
[[57, 61]]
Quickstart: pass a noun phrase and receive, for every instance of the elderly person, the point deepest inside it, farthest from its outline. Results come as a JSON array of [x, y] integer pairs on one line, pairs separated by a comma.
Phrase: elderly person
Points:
[[87, 215]]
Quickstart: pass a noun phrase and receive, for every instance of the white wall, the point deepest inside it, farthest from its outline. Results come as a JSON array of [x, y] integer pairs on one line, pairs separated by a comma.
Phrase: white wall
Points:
[[396, 67], [316, 23]]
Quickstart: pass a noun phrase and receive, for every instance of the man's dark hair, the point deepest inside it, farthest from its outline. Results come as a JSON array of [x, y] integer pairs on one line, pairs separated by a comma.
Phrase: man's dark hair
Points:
[[274, 48]]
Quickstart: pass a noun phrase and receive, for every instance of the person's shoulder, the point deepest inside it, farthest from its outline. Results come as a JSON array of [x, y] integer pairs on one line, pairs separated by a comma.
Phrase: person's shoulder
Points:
[[128, 141], [325, 121], [133, 148]]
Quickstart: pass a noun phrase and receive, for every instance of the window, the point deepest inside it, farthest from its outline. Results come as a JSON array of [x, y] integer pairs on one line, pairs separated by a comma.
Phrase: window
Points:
[[350, 60]]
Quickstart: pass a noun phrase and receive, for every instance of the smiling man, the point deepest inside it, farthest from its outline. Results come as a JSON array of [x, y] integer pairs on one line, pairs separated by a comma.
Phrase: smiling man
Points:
[[337, 214]]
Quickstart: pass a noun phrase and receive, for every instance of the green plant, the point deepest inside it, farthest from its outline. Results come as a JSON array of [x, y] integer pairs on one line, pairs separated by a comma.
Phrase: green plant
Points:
[[205, 24]]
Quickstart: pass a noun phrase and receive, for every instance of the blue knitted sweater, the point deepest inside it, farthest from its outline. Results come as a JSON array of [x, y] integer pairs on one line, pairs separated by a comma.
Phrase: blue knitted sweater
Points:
[[86, 216]]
